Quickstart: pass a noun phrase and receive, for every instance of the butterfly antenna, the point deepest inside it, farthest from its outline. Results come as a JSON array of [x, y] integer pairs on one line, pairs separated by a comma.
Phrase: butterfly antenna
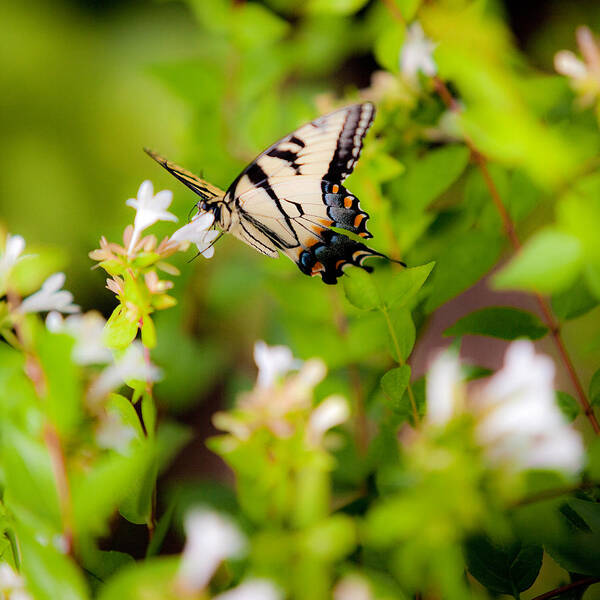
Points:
[[205, 249], [191, 210]]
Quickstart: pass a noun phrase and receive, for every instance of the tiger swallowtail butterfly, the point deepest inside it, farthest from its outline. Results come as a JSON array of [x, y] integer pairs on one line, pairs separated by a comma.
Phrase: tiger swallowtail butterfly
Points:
[[291, 195]]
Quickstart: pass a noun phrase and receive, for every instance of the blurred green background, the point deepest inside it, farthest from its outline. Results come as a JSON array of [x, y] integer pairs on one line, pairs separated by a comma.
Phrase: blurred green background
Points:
[[86, 85]]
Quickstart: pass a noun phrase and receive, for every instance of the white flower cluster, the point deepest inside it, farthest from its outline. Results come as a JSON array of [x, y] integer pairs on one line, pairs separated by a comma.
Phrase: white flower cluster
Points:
[[211, 539], [518, 422], [151, 208], [277, 395]]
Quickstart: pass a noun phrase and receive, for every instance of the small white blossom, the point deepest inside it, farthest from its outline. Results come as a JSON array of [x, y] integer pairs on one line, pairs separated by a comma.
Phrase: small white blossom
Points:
[[520, 421], [517, 420], [584, 74], [566, 63], [50, 297], [253, 589], [87, 330], [149, 208], [11, 254], [197, 232], [210, 539], [12, 585], [416, 54], [273, 362], [443, 388], [131, 366], [352, 587], [331, 412], [114, 434]]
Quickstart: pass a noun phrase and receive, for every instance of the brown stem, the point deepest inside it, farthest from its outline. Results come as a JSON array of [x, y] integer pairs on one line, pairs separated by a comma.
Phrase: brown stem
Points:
[[511, 234], [59, 467], [565, 588], [555, 493], [395, 11]]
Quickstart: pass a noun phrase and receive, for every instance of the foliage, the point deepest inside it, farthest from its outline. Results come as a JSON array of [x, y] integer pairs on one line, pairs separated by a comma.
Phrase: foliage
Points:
[[354, 475]]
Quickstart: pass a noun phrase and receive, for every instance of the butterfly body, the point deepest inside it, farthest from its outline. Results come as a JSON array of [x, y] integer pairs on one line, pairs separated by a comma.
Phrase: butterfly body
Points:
[[289, 197]]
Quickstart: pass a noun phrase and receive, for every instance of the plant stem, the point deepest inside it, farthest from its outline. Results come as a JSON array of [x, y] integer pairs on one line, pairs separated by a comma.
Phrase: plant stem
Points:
[[565, 588], [362, 432], [555, 493], [401, 362]]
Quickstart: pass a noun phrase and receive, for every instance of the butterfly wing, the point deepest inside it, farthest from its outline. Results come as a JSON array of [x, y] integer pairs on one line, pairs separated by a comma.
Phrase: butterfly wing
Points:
[[290, 196], [204, 189]]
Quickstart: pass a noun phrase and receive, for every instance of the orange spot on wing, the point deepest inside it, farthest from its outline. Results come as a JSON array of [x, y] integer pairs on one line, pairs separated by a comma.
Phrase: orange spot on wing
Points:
[[339, 263], [358, 219], [335, 189], [325, 222], [348, 201], [363, 234], [317, 268]]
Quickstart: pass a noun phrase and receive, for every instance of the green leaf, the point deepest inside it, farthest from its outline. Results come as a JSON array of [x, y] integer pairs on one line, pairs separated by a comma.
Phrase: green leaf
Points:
[[336, 7], [547, 263], [578, 548], [148, 332], [401, 333], [575, 301], [122, 407], [98, 492], [331, 539], [388, 45], [28, 477], [149, 414], [49, 573], [428, 176], [568, 405], [360, 289], [595, 389], [120, 329], [104, 564], [507, 568], [136, 506], [255, 25], [593, 463], [403, 286], [500, 322], [394, 384], [150, 579], [463, 263], [63, 389], [408, 8]]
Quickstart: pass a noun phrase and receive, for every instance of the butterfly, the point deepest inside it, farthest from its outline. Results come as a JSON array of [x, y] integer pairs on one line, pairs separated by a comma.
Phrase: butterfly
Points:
[[289, 197]]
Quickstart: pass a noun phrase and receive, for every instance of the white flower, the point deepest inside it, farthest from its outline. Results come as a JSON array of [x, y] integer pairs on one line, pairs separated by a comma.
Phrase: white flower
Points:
[[12, 585], [520, 421], [211, 538], [416, 54], [114, 434], [11, 255], [50, 297], [517, 420], [566, 63], [149, 209], [9, 579], [197, 232], [352, 587], [273, 362], [87, 330], [253, 589], [131, 366], [331, 412], [443, 388], [584, 74]]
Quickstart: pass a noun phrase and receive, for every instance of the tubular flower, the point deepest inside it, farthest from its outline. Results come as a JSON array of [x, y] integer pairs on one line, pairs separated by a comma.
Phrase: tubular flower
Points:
[[416, 55], [50, 297], [197, 232]]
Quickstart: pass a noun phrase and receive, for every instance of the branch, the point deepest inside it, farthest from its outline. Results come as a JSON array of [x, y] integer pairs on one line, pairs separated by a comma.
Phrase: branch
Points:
[[586, 581]]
